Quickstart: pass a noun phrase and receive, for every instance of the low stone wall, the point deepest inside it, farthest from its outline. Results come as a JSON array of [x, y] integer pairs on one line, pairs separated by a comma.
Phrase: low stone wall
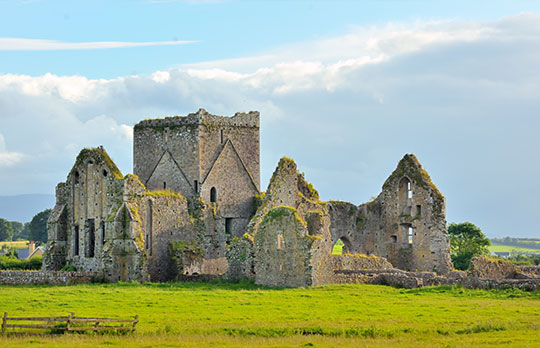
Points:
[[497, 269], [53, 278], [531, 271], [358, 262], [482, 283]]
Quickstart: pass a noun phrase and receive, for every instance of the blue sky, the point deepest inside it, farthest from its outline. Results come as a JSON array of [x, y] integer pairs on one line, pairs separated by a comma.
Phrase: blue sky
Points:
[[346, 88]]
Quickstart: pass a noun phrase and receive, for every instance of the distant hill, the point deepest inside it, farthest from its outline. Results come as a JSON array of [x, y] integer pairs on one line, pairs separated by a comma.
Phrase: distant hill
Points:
[[22, 208]]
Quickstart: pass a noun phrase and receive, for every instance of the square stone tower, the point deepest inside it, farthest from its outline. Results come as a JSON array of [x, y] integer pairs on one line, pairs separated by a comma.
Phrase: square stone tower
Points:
[[201, 155]]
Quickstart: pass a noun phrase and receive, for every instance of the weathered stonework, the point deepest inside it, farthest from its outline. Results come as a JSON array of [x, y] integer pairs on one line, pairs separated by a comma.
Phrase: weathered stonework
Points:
[[135, 230], [47, 277], [294, 233], [193, 209]]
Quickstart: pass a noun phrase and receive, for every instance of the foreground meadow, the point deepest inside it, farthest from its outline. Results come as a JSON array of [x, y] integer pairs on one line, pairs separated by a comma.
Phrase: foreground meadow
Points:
[[236, 315]]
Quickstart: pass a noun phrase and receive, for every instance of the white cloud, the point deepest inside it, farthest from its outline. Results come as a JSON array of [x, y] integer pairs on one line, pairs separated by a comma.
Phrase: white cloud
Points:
[[23, 44], [8, 159], [461, 95]]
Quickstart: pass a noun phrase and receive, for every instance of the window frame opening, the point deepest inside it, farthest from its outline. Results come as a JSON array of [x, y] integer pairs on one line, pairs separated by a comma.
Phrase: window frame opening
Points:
[[76, 240], [213, 195], [228, 225]]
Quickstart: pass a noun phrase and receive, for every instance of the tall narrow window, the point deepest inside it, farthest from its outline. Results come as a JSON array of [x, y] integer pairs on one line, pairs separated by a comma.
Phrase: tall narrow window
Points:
[[228, 225], [213, 195], [222, 138], [102, 228], [196, 186], [410, 235], [418, 210], [409, 190], [166, 134], [164, 185], [280, 241], [76, 240], [91, 238], [148, 236]]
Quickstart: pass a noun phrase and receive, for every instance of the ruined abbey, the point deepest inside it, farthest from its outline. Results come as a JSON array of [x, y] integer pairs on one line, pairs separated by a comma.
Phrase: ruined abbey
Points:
[[194, 206]]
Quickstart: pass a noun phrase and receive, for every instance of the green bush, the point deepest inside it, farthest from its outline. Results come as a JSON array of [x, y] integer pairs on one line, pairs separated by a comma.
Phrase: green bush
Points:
[[11, 263]]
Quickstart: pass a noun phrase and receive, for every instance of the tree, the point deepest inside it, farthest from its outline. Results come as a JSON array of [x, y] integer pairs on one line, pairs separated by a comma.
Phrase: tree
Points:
[[6, 230], [17, 229], [38, 226], [466, 241]]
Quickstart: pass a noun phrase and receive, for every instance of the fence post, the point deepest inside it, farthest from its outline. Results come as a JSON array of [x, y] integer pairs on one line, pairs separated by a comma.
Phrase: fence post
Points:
[[4, 319], [135, 323], [69, 320]]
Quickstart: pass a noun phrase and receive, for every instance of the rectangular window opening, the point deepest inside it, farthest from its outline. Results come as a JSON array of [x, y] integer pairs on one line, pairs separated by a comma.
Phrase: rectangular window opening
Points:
[[91, 241], [148, 235], [228, 225], [418, 210], [280, 241], [76, 240], [102, 228], [410, 235], [196, 186]]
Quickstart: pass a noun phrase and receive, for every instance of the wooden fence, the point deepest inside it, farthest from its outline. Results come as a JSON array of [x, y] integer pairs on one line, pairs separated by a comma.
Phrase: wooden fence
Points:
[[70, 323]]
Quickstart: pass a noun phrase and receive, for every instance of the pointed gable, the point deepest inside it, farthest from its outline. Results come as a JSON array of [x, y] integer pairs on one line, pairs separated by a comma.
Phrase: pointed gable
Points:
[[168, 175], [229, 166]]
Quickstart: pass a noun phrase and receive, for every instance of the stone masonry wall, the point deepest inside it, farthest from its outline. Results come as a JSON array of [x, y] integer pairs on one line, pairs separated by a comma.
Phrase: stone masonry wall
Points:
[[179, 138], [47, 277]]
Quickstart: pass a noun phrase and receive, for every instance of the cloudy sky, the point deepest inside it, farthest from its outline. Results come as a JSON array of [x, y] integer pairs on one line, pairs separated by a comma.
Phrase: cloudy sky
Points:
[[345, 88]]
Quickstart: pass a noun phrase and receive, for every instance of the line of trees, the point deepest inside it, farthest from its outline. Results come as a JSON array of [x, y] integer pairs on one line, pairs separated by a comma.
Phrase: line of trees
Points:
[[35, 230]]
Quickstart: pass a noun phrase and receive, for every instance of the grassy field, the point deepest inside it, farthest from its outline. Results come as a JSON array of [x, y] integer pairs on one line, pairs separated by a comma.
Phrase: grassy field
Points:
[[243, 315], [20, 244], [511, 248]]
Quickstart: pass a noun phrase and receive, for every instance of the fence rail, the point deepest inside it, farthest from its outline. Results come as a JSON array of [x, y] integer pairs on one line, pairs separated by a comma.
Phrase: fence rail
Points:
[[70, 323]]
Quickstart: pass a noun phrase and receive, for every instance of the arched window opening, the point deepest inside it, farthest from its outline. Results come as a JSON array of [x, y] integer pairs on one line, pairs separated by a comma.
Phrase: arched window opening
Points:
[[104, 172], [213, 195], [342, 246], [405, 191], [76, 177]]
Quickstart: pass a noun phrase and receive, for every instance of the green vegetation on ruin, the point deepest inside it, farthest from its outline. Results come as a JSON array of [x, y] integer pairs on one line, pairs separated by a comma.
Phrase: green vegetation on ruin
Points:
[[245, 315], [164, 193], [182, 246], [99, 155]]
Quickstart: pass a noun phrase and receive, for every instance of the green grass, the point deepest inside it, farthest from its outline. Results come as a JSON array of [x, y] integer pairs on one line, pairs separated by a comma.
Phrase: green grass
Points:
[[511, 248], [236, 315], [338, 248], [19, 244]]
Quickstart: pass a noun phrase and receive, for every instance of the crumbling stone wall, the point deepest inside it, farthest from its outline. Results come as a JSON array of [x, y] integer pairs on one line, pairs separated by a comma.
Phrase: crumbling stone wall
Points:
[[47, 277], [490, 268], [405, 223], [91, 226], [282, 255]]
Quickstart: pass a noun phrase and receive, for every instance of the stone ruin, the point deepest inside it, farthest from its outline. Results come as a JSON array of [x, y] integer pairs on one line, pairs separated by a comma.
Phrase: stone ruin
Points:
[[193, 207]]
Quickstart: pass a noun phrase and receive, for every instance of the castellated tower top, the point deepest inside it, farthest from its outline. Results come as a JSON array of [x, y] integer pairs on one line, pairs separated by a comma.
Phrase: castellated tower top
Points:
[[240, 119], [200, 154]]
